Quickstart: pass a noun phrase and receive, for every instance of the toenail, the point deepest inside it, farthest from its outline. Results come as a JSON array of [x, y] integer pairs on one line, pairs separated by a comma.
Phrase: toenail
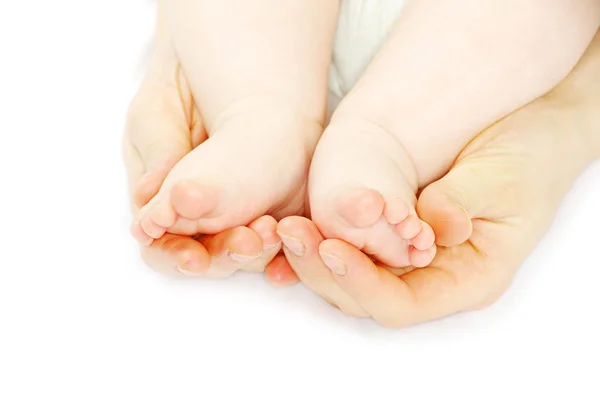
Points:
[[293, 244], [189, 269], [241, 258], [334, 264]]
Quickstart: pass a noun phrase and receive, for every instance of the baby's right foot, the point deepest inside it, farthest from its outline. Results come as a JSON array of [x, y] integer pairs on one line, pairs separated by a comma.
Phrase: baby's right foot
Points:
[[254, 163], [362, 189]]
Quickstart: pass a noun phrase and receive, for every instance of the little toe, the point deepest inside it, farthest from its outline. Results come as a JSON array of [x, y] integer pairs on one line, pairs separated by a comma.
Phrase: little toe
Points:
[[420, 258], [409, 228], [361, 208], [425, 238], [192, 200], [395, 211], [151, 228]]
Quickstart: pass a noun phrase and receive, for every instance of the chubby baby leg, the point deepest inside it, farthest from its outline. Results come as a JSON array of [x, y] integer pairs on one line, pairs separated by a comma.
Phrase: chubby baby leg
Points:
[[445, 73], [258, 74]]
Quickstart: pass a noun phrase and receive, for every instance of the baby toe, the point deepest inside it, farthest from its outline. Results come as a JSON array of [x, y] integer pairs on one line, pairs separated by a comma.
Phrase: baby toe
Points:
[[151, 228], [425, 238], [163, 215], [409, 228], [395, 211], [361, 208]]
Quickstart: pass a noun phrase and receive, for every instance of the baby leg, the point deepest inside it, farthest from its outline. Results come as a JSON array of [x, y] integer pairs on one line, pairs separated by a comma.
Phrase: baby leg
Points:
[[445, 73], [258, 74]]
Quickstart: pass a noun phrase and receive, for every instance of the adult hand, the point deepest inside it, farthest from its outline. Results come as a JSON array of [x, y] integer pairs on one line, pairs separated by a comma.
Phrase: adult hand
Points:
[[490, 211]]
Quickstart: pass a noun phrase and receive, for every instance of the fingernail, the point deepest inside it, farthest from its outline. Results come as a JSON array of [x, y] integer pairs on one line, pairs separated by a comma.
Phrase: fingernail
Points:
[[293, 244], [190, 269], [334, 264], [242, 258], [271, 247], [271, 241]]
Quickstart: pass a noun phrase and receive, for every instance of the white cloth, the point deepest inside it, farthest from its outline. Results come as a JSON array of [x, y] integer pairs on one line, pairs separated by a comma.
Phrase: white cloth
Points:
[[362, 27]]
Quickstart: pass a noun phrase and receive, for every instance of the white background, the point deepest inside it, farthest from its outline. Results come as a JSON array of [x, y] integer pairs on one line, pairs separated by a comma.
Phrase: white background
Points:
[[80, 315]]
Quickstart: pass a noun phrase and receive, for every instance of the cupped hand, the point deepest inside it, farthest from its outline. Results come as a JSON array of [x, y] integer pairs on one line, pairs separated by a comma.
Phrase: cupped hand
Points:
[[488, 212]]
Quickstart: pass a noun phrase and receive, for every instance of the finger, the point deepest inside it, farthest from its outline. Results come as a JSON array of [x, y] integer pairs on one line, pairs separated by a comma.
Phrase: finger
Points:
[[231, 250], [159, 137], [215, 256], [177, 255], [301, 240], [135, 169], [445, 287], [161, 128], [279, 272], [237, 248], [473, 189], [266, 229]]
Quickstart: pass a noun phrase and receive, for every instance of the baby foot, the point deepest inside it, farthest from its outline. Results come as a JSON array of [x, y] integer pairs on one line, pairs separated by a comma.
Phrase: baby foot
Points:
[[362, 189], [254, 163]]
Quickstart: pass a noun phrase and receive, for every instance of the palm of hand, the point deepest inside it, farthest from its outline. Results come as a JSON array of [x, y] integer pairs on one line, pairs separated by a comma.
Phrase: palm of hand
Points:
[[501, 181]]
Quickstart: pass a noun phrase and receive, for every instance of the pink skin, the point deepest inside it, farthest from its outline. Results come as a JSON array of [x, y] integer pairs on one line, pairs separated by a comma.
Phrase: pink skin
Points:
[[262, 100], [452, 220], [243, 248], [163, 125], [395, 132], [501, 175], [444, 74]]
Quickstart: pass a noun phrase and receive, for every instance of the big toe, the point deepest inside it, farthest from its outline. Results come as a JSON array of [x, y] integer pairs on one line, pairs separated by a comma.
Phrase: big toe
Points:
[[193, 200], [449, 220], [361, 208]]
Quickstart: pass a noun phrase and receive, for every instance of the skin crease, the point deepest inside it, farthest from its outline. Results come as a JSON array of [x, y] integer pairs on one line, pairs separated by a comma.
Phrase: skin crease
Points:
[[475, 272]]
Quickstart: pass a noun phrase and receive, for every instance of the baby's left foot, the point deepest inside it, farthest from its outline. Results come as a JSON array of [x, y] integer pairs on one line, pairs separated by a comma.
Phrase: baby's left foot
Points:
[[362, 187]]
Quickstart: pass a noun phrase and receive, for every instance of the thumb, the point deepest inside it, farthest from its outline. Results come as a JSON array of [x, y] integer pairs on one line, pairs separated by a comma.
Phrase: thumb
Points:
[[476, 187], [160, 131]]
